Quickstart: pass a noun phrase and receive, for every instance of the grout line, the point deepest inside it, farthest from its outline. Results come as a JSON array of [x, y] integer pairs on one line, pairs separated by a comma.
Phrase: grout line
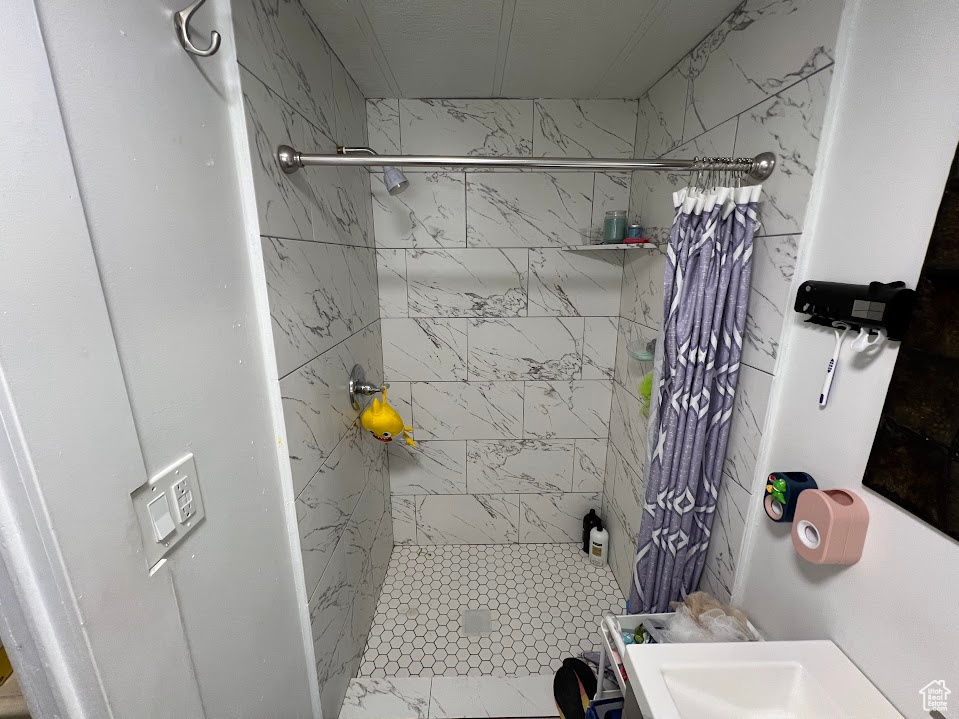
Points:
[[497, 318], [318, 242], [510, 439], [349, 337], [490, 544], [744, 111], [487, 381], [501, 494], [454, 248], [287, 102], [513, 439]]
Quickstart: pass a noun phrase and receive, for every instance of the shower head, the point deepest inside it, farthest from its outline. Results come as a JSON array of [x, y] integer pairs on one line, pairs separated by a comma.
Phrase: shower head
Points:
[[393, 177], [395, 180]]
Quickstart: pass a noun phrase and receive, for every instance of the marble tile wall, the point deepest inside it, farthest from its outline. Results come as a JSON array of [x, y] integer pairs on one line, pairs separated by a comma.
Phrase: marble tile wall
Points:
[[499, 343], [505, 351], [321, 269], [758, 82]]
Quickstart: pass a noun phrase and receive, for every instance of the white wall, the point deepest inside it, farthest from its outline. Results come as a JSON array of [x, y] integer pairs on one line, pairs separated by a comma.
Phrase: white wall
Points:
[[889, 138], [157, 297]]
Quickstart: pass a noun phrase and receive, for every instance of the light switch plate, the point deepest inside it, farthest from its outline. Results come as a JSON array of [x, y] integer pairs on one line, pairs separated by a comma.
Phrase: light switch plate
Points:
[[160, 517], [181, 487]]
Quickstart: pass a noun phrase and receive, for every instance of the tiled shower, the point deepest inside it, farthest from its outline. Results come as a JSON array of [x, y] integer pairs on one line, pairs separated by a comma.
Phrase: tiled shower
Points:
[[506, 351], [499, 345], [498, 340]]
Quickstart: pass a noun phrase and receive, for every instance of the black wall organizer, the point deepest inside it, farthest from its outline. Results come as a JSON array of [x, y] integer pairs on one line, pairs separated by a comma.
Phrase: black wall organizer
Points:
[[876, 305]]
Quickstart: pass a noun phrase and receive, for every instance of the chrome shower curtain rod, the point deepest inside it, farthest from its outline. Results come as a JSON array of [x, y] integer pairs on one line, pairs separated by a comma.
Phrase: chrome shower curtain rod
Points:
[[758, 168]]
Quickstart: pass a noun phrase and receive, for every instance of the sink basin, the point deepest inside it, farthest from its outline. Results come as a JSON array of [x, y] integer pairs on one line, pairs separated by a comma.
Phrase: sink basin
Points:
[[751, 680], [738, 690]]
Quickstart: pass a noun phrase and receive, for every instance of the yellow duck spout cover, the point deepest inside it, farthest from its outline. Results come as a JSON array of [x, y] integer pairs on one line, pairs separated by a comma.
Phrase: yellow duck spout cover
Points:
[[385, 422]]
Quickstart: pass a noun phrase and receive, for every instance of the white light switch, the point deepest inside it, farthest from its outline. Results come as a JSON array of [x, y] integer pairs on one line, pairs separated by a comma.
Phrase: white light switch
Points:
[[163, 524], [168, 507]]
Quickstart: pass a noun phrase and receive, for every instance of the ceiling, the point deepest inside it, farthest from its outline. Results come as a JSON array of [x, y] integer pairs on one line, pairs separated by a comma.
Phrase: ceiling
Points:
[[513, 48]]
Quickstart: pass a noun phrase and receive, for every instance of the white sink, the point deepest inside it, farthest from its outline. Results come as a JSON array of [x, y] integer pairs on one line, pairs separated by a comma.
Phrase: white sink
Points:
[[751, 680]]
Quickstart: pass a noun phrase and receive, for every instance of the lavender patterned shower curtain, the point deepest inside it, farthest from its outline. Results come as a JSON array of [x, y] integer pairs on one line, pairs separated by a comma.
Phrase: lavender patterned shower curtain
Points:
[[708, 268]]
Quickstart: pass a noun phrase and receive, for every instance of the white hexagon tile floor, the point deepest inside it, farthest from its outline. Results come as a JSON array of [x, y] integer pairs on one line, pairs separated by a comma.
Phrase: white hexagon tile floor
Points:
[[545, 603]]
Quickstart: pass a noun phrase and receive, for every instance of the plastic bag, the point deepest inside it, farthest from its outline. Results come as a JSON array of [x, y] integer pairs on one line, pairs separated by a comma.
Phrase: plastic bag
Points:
[[703, 618]]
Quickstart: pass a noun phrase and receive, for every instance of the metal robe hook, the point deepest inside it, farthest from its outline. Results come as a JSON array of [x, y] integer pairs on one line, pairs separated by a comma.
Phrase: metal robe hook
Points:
[[181, 21]]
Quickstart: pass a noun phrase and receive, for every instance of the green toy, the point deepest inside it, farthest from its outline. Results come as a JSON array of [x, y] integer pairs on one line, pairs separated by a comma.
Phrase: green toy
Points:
[[782, 494], [645, 390], [777, 489]]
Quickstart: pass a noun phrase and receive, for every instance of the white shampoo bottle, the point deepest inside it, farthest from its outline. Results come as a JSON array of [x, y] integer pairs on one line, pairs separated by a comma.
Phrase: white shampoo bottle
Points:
[[598, 545]]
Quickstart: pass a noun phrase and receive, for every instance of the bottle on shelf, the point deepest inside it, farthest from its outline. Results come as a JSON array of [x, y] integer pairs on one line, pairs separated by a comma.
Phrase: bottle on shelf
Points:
[[614, 227]]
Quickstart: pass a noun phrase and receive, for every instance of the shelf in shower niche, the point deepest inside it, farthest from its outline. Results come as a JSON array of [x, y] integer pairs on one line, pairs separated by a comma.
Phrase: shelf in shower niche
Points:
[[593, 248]]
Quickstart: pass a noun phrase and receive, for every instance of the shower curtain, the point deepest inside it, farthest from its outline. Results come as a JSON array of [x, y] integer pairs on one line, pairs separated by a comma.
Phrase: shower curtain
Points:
[[706, 291]]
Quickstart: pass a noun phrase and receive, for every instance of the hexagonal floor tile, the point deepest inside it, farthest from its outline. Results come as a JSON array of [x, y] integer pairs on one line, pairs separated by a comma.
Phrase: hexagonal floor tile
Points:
[[545, 603]]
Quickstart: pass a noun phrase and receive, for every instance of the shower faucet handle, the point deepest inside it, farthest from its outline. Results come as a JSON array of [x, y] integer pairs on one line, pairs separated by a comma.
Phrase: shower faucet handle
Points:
[[366, 388], [359, 386]]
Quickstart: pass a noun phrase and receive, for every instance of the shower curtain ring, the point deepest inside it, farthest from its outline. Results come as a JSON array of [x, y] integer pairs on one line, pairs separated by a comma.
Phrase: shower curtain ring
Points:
[[745, 166], [692, 169]]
